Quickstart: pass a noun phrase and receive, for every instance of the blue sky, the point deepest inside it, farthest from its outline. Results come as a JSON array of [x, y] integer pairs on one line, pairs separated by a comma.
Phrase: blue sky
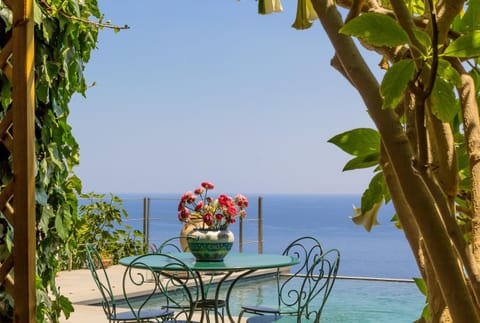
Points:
[[209, 90]]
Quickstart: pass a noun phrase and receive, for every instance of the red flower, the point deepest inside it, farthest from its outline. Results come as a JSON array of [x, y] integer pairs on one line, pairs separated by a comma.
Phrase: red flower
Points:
[[184, 215], [216, 214], [199, 190], [199, 206], [208, 185], [241, 201], [208, 218], [232, 210], [224, 199]]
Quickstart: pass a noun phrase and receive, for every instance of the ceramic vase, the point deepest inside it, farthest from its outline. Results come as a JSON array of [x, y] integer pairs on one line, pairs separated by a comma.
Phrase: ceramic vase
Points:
[[210, 245]]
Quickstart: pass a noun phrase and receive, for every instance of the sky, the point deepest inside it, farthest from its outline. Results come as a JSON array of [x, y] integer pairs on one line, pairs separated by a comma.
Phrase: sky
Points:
[[209, 90]]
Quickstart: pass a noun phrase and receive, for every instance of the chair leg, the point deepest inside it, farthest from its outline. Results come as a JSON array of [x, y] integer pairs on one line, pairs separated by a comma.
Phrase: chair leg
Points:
[[240, 316]]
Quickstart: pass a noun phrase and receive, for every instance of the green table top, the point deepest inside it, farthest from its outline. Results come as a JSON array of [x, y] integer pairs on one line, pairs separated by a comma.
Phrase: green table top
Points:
[[232, 262]]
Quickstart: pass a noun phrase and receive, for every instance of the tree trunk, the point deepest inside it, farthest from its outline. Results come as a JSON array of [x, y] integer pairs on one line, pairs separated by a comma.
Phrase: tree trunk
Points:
[[424, 207]]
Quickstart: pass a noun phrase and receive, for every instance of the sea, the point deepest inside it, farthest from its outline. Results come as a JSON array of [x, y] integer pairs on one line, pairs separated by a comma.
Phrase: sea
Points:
[[381, 253]]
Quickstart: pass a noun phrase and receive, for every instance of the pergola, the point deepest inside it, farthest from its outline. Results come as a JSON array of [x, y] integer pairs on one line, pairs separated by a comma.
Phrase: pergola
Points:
[[17, 199]]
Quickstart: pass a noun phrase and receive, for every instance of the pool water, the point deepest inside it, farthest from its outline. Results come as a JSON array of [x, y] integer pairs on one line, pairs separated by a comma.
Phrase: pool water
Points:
[[352, 301]]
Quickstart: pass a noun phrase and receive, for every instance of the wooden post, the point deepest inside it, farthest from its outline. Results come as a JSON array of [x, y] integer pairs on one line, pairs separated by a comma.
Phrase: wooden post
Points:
[[23, 107]]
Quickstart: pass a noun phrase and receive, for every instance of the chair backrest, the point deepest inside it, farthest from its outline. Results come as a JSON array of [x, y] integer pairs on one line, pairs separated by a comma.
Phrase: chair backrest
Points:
[[175, 286], [309, 283], [317, 285], [170, 245], [94, 262]]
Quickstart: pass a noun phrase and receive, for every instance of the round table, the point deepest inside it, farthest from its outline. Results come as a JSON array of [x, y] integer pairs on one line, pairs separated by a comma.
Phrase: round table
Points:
[[242, 263]]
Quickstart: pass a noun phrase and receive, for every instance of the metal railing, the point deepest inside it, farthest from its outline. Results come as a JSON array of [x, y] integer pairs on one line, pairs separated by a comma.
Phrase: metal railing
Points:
[[144, 220], [147, 220]]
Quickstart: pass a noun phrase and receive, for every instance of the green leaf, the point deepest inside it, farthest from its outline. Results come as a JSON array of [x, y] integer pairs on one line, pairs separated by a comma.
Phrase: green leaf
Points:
[[395, 82], [444, 102], [66, 306], [471, 19], [421, 285], [376, 192], [447, 72], [475, 74], [465, 46], [61, 230], [372, 199], [376, 29], [423, 38], [358, 142], [363, 161]]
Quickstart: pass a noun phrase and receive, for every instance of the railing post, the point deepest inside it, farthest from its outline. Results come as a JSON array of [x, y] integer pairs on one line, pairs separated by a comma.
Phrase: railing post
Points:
[[260, 225], [145, 236], [240, 238], [148, 222]]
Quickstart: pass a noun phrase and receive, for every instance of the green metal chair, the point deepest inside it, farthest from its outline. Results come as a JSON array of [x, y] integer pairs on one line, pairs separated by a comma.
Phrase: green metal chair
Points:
[[168, 246], [110, 305], [204, 305], [175, 288], [303, 292]]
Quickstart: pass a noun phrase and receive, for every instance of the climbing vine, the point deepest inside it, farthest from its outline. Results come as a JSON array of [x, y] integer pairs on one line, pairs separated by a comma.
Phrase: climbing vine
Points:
[[65, 34]]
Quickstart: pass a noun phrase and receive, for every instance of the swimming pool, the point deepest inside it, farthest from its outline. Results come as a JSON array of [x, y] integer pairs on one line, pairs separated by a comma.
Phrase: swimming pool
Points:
[[352, 301]]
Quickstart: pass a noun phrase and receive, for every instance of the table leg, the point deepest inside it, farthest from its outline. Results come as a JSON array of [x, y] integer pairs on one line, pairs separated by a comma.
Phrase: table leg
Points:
[[229, 291], [204, 295]]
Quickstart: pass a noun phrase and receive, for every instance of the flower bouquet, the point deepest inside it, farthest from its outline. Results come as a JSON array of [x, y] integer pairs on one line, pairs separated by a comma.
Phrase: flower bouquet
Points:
[[212, 240]]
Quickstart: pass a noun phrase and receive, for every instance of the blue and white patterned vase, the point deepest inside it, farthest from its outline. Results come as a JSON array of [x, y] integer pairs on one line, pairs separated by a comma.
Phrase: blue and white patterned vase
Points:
[[210, 245]]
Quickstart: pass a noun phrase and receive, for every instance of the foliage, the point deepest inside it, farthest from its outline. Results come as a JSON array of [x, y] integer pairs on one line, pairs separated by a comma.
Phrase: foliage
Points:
[[216, 214], [101, 223], [424, 152], [64, 39]]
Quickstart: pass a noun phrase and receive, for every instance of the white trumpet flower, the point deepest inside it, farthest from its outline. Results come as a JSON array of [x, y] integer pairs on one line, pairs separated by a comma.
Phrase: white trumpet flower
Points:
[[305, 15], [268, 6]]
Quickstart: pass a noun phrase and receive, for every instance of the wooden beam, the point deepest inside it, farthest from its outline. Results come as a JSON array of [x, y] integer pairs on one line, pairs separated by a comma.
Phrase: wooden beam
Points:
[[5, 198], [5, 277], [23, 161]]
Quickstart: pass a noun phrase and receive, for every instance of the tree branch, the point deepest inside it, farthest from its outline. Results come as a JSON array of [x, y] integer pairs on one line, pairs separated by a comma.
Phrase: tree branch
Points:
[[82, 20]]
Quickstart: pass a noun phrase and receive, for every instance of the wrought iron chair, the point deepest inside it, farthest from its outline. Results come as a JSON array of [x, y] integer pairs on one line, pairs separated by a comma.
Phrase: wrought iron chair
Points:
[[110, 305], [176, 287], [302, 294], [204, 305], [168, 246]]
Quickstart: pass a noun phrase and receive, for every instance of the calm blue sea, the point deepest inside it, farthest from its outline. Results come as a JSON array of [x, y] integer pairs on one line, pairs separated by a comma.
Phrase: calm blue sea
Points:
[[383, 252]]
